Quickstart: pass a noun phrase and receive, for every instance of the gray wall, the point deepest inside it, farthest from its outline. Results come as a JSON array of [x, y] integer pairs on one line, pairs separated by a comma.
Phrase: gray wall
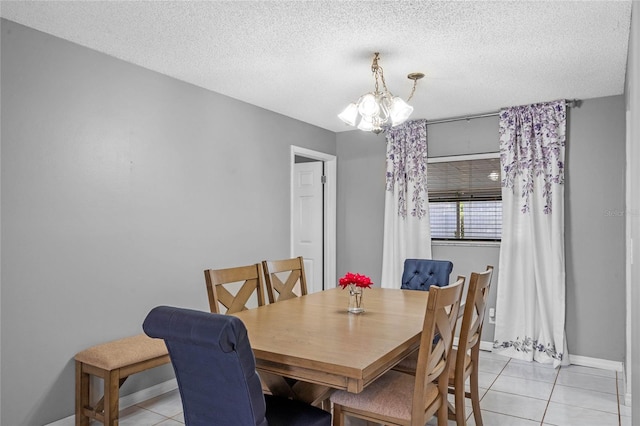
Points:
[[360, 209], [119, 187], [632, 94], [594, 229], [594, 232]]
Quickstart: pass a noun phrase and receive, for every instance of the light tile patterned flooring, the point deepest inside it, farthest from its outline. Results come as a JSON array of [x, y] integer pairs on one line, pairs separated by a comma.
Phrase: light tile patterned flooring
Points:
[[513, 393]]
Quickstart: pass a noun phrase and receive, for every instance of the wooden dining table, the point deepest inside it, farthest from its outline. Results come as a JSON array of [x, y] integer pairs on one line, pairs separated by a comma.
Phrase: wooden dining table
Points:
[[314, 339]]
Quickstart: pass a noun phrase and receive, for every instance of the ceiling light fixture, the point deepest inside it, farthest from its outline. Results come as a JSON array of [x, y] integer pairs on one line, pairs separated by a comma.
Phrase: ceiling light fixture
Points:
[[378, 108]]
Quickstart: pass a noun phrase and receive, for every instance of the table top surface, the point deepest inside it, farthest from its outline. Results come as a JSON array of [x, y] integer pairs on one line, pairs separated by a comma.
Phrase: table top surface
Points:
[[314, 338]]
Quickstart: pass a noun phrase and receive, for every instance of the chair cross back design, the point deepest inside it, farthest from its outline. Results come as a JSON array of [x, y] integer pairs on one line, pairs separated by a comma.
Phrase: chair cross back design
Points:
[[466, 357], [216, 372], [217, 280], [437, 337], [277, 290], [274, 269], [397, 398], [468, 352]]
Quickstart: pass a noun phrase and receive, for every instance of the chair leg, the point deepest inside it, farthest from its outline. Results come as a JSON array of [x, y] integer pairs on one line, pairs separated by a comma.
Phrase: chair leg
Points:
[[475, 396], [442, 415], [459, 403], [338, 416], [82, 395], [443, 410], [111, 403]]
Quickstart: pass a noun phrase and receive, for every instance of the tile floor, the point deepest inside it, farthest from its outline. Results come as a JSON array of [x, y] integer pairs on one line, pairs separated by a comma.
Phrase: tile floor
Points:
[[513, 393]]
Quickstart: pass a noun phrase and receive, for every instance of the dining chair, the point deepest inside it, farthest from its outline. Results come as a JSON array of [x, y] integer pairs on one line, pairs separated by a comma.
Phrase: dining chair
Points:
[[285, 277], [420, 274], [467, 354], [216, 372], [396, 398], [232, 288], [229, 291]]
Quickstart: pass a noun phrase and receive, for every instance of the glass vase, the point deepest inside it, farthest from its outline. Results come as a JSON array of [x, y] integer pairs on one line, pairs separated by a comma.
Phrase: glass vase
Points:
[[355, 299]]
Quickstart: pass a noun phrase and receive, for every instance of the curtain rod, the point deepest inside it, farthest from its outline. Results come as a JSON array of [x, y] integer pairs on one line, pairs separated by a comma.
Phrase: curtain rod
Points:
[[570, 103]]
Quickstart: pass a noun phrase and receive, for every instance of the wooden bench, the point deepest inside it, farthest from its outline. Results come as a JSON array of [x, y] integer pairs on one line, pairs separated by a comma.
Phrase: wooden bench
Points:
[[113, 362]]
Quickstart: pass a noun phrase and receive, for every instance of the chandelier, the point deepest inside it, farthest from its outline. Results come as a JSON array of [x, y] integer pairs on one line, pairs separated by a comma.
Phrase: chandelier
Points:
[[376, 109]]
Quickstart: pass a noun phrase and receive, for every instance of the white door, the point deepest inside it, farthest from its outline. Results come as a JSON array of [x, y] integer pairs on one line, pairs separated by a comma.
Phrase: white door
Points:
[[307, 221]]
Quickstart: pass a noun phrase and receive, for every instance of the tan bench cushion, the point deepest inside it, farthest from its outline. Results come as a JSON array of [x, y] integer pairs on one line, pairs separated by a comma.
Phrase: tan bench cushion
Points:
[[123, 352]]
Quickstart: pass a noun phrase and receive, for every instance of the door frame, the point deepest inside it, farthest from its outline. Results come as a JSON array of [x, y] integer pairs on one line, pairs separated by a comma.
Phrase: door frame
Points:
[[329, 209]]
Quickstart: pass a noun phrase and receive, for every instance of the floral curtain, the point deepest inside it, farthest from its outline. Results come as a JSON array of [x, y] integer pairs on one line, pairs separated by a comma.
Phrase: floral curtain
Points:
[[407, 233], [530, 308]]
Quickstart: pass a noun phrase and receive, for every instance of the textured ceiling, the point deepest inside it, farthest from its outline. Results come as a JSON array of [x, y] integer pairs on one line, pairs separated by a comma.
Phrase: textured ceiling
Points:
[[309, 59]]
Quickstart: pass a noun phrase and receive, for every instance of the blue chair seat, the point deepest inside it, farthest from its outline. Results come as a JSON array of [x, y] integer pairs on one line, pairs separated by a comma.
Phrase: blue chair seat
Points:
[[420, 274], [216, 372]]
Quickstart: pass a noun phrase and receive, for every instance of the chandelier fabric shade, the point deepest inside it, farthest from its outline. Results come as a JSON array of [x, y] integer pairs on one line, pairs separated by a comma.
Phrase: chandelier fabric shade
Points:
[[374, 111]]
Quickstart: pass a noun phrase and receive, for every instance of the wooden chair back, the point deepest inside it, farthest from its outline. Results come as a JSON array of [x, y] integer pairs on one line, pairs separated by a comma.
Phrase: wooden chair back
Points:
[[473, 316], [466, 365], [433, 358], [284, 277], [249, 278]]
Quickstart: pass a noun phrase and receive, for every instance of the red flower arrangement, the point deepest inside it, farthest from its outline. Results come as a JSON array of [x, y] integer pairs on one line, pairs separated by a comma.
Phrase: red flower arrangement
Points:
[[357, 280]]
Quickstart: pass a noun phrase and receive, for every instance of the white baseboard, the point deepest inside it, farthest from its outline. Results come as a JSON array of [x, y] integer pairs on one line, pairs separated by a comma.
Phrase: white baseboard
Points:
[[129, 400], [603, 364]]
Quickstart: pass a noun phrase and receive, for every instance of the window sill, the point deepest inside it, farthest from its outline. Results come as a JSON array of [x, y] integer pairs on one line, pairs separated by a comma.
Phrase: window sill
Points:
[[466, 243]]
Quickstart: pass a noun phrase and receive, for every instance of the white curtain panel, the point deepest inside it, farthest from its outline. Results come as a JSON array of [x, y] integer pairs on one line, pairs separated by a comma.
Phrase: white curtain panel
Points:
[[530, 308], [407, 233]]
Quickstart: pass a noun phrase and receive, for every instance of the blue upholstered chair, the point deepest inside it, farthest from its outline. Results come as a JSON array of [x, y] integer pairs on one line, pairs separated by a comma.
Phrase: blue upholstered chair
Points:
[[420, 274], [216, 372]]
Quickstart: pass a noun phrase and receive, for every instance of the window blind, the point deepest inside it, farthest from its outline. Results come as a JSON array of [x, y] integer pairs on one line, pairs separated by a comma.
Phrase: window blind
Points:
[[465, 199]]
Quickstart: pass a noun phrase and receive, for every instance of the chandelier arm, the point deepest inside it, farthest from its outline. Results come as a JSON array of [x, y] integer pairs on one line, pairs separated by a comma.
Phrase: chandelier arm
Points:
[[375, 70], [384, 83], [413, 90], [375, 75]]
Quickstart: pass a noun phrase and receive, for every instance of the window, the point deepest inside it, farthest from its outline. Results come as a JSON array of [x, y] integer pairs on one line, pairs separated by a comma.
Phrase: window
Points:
[[465, 198]]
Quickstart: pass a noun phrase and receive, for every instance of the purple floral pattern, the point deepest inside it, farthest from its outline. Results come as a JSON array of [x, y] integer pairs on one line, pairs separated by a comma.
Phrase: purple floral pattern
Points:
[[528, 345], [532, 141], [407, 166]]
